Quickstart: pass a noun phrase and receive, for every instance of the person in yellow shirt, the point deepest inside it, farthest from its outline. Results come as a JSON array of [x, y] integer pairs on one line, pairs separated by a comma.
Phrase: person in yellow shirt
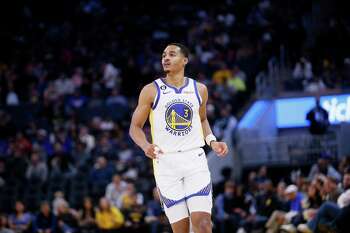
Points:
[[108, 218]]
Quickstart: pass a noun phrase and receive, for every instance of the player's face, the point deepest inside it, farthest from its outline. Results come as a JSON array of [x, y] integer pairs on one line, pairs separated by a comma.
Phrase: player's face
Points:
[[173, 60]]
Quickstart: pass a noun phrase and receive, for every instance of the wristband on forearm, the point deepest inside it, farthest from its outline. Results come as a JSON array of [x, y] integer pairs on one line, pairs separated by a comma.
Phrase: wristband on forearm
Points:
[[209, 138]]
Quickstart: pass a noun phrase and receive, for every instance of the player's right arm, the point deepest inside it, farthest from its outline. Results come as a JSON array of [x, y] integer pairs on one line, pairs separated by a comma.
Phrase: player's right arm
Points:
[[139, 118]]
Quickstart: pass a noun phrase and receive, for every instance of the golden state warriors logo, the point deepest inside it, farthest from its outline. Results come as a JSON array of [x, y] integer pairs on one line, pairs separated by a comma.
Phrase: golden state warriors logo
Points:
[[178, 117]]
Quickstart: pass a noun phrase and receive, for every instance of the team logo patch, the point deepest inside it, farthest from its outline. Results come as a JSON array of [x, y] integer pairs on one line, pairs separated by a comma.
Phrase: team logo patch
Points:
[[178, 117]]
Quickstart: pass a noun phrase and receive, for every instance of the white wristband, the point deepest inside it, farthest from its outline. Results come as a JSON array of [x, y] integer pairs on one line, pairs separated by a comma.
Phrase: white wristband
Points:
[[209, 138]]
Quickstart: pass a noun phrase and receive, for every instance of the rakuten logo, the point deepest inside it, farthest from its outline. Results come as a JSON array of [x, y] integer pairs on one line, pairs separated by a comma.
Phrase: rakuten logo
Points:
[[337, 108]]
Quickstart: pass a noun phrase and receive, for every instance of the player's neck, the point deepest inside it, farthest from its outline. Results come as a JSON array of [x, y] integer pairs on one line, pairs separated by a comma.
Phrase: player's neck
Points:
[[176, 80]]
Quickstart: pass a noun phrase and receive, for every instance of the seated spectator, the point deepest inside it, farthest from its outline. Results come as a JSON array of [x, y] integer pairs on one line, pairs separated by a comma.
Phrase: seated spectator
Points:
[[57, 201], [331, 190], [221, 75], [4, 225], [37, 169], [230, 209], [312, 202], [42, 139], [130, 197], [108, 218], [328, 212], [67, 219], [76, 101], [105, 146], [87, 222], [132, 208], [20, 221], [266, 203], [324, 167], [279, 218], [45, 221], [116, 98], [226, 173], [102, 172], [155, 216], [23, 143], [81, 156], [61, 165], [236, 82], [87, 138], [115, 190]]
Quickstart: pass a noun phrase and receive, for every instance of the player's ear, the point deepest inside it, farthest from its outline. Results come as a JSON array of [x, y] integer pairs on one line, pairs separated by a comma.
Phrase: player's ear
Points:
[[185, 60]]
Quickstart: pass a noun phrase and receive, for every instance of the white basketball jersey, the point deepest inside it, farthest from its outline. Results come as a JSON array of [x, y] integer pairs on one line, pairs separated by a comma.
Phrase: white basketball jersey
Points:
[[174, 118]]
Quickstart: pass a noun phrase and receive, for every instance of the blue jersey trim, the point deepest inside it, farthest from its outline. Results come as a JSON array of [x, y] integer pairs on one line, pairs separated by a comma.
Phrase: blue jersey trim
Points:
[[177, 91], [197, 93], [169, 202], [157, 97]]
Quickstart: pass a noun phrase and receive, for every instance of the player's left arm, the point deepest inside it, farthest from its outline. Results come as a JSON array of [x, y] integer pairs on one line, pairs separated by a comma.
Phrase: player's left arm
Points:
[[220, 148]]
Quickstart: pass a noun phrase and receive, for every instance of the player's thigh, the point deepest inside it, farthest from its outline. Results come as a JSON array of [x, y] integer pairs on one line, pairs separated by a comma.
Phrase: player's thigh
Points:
[[201, 221], [181, 226]]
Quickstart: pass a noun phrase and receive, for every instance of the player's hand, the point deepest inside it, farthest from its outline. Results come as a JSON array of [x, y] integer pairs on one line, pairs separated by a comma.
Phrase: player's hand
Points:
[[152, 151], [220, 148]]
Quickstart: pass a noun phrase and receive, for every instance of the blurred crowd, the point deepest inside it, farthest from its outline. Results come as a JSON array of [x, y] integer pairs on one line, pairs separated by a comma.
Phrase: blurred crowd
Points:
[[70, 73], [313, 200]]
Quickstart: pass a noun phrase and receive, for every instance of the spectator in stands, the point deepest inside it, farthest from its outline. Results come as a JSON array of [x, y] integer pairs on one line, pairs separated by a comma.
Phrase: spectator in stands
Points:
[[4, 224], [102, 172], [20, 221], [223, 74], [76, 101], [3, 173], [61, 165], [225, 124], [87, 217], [81, 156], [115, 190], [67, 219], [132, 208], [23, 143], [57, 201], [226, 176], [105, 146], [155, 216], [331, 191], [108, 218], [329, 211], [45, 220], [37, 170], [283, 219], [111, 77], [130, 197], [318, 118], [116, 98], [87, 138], [323, 166], [12, 98], [344, 165], [44, 142], [230, 209], [236, 83], [267, 201], [17, 164]]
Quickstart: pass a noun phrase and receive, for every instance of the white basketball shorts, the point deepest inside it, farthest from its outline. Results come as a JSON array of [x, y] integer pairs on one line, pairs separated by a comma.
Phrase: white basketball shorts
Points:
[[184, 184]]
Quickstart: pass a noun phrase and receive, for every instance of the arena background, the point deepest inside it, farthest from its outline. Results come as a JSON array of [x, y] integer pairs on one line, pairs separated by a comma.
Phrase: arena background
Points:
[[70, 73]]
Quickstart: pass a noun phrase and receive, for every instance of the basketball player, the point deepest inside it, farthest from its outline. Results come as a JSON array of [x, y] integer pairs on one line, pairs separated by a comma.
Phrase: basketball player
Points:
[[176, 108]]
